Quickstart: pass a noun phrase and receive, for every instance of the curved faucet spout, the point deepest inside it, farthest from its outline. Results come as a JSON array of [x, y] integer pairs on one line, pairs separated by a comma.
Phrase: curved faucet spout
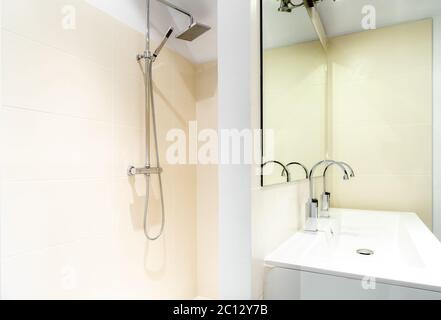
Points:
[[285, 170], [312, 212], [352, 173], [311, 174]]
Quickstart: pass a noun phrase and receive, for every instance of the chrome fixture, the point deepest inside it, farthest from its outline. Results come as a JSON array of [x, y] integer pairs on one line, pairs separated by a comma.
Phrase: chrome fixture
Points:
[[149, 58], [153, 57], [132, 171], [326, 196], [284, 171], [312, 207], [288, 5], [297, 164], [195, 29], [365, 252]]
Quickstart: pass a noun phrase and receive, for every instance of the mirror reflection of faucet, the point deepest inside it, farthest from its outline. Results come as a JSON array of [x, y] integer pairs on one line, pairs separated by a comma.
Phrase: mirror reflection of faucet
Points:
[[297, 164], [285, 171]]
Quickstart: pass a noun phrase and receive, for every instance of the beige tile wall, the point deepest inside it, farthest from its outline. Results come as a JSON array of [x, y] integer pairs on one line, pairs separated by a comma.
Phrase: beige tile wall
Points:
[[71, 123], [382, 118], [207, 187]]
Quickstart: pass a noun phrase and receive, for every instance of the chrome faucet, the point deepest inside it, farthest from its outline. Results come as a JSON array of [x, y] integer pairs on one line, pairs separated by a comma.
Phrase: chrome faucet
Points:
[[326, 196], [312, 207], [298, 164], [284, 171]]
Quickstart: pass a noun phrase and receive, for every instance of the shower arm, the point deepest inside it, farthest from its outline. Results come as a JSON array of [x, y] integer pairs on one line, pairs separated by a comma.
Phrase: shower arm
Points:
[[171, 5]]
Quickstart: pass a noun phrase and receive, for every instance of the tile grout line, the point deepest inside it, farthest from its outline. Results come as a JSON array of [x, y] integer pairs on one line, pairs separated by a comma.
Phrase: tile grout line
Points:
[[53, 246], [113, 72], [61, 115], [60, 50], [55, 180]]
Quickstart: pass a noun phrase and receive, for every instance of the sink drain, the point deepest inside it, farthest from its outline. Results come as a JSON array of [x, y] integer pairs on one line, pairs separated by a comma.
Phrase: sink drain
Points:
[[365, 252]]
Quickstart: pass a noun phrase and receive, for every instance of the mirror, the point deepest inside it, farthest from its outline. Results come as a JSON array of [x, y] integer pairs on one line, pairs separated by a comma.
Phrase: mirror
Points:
[[294, 81], [367, 100]]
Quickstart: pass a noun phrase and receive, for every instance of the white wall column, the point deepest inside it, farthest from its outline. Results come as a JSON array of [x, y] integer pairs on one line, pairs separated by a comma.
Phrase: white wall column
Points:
[[234, 53]]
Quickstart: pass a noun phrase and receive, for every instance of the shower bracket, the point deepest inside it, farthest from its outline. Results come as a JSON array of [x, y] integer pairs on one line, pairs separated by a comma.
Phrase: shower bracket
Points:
[[145, 56], [132, 171]]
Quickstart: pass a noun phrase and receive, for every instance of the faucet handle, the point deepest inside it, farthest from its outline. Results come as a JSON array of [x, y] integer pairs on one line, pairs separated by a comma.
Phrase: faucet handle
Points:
[[312, 215], [326, 204]]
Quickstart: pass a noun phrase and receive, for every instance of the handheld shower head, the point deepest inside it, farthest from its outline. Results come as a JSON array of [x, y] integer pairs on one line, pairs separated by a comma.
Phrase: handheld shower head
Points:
[[193, 32], [163, 42]]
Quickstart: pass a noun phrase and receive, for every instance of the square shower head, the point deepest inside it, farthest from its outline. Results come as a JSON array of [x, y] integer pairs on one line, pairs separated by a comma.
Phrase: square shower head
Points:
[[195, 31]]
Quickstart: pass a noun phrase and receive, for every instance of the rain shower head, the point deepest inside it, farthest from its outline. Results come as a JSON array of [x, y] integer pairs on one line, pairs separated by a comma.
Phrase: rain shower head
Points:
[[193, 32]]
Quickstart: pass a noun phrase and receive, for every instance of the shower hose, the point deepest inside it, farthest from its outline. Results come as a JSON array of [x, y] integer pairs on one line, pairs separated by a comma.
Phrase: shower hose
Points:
[[150, 103]]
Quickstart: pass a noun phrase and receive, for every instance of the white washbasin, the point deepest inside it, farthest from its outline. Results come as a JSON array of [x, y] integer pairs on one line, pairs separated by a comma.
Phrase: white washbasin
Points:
[[406, 253]]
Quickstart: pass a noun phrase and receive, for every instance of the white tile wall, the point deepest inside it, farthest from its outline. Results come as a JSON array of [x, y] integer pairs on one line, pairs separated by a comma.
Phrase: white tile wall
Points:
[[42, 21], [67, 85], [71, 122], [47, 146], [42, 214]]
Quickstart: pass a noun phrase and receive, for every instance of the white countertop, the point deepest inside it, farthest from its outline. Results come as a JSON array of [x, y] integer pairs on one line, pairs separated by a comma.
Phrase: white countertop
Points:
[[406, 253]]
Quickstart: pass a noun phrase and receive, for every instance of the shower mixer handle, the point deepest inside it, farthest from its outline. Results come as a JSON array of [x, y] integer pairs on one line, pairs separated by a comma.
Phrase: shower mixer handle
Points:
[[132, 171], [143, 56]]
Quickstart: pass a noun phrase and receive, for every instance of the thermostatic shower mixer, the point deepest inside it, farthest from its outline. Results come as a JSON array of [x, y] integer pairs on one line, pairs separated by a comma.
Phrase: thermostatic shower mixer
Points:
[[132, 171]]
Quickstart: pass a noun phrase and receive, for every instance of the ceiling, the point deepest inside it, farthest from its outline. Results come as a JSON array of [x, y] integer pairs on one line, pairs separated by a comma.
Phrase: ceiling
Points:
[[344, 16], [282, 29], [132, 12], [341, 17]]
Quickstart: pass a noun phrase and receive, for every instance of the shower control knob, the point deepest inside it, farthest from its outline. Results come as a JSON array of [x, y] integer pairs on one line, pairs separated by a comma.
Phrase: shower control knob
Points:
[[131, 171]]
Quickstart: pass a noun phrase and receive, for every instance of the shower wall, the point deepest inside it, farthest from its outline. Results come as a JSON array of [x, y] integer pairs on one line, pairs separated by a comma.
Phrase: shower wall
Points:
[[71, 123]]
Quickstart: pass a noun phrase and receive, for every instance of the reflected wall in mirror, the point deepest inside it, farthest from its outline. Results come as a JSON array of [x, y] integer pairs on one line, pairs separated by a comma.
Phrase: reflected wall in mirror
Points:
[[367, 100], [293, 93], [381, 119]]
